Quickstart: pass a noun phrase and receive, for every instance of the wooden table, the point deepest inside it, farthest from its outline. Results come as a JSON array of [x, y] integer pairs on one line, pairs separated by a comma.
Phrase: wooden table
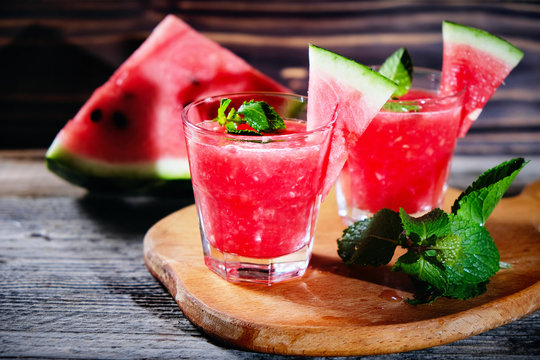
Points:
[[73, 283]]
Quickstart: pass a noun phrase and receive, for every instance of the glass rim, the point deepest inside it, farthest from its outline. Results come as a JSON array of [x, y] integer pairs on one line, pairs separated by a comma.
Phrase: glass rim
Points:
[[251, 138], [423, 100]]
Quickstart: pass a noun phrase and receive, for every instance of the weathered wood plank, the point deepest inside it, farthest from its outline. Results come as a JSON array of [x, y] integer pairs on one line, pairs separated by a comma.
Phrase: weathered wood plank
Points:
[[23, 173], [73, 285]]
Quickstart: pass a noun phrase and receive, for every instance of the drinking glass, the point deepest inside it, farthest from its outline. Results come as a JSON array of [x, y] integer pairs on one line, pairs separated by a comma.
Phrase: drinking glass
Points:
[[257, 197], [403, 158]]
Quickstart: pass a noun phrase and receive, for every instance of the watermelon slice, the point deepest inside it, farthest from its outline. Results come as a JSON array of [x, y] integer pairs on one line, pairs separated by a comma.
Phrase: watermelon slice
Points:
[[477, 61], [128, 137], [351, 92]]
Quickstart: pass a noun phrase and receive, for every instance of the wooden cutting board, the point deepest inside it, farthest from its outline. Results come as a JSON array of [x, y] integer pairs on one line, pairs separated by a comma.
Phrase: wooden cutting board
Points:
[[335, 310]]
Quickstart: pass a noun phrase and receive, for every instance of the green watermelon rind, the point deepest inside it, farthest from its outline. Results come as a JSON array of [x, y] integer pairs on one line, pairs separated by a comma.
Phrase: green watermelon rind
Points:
[[347, 71], [481, 40], [170, 176]]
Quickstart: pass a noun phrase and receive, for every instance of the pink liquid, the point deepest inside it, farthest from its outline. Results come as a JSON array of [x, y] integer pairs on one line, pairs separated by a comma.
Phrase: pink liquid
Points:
[[257, 200], [402, 160]]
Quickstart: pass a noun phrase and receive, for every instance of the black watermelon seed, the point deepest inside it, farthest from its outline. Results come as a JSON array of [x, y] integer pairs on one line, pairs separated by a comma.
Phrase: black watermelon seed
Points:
[[96, 115], [120, 120]]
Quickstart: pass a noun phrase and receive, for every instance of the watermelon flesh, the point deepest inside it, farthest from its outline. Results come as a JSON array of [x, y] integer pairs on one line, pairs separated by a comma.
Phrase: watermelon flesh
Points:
[[476, 62], [130, 128], [352, 93]]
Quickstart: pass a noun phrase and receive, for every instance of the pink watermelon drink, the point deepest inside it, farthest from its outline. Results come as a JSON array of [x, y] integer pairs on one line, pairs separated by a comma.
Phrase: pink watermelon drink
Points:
[[257, 197], [402, 160]]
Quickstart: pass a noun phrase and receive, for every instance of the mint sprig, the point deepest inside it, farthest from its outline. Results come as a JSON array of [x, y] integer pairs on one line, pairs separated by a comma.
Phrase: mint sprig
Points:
[[480, 198], [398, 67], [448, 254], [371, 241], [401, 107], [259, 115]]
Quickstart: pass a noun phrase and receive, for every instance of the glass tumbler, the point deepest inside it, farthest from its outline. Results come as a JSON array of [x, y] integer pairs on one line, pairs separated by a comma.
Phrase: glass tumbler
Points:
[[257, 197], [403, 158]]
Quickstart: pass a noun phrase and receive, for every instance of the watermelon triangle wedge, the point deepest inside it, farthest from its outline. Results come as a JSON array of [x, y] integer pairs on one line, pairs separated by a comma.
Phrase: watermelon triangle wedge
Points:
[[128, 136], [352, 93], [476, 61]]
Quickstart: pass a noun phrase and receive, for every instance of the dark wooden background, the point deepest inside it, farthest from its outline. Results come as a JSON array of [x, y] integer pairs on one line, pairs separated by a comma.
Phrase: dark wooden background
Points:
[[54, 53], [72, 278]]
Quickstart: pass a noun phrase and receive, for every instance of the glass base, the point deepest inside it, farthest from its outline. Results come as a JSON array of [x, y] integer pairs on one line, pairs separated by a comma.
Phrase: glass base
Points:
[[350, 214], [237, 268]]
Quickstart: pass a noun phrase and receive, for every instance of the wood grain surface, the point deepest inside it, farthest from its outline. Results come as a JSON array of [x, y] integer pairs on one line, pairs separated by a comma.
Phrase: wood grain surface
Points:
[[73, 282], [53, 54], [335, 310]]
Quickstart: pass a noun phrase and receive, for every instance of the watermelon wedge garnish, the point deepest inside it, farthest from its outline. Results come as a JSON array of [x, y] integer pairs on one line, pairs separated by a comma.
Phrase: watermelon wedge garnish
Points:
[[476, 61], [128, 136], [352, 93]]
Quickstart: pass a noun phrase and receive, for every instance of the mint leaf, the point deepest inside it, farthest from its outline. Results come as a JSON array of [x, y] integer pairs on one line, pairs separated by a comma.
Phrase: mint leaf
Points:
[[295, 110], [421, 230], [424, 293], [479, 200], [223, 105], [477, 262], [458, 262], [275, 121], [398, 67], [261, 116], [401, 107], [255, 116], [449, 248], [371, 241], [234, 117], [223, 119], [465, 291], [423, 267]]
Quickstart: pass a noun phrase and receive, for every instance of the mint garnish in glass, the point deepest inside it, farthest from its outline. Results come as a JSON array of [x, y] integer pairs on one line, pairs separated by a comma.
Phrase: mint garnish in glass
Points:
[[398, 67], [251, 118]]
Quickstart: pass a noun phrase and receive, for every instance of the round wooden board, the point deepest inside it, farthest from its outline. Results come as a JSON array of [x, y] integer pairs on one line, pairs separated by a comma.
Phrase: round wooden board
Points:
[[335, 310]]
